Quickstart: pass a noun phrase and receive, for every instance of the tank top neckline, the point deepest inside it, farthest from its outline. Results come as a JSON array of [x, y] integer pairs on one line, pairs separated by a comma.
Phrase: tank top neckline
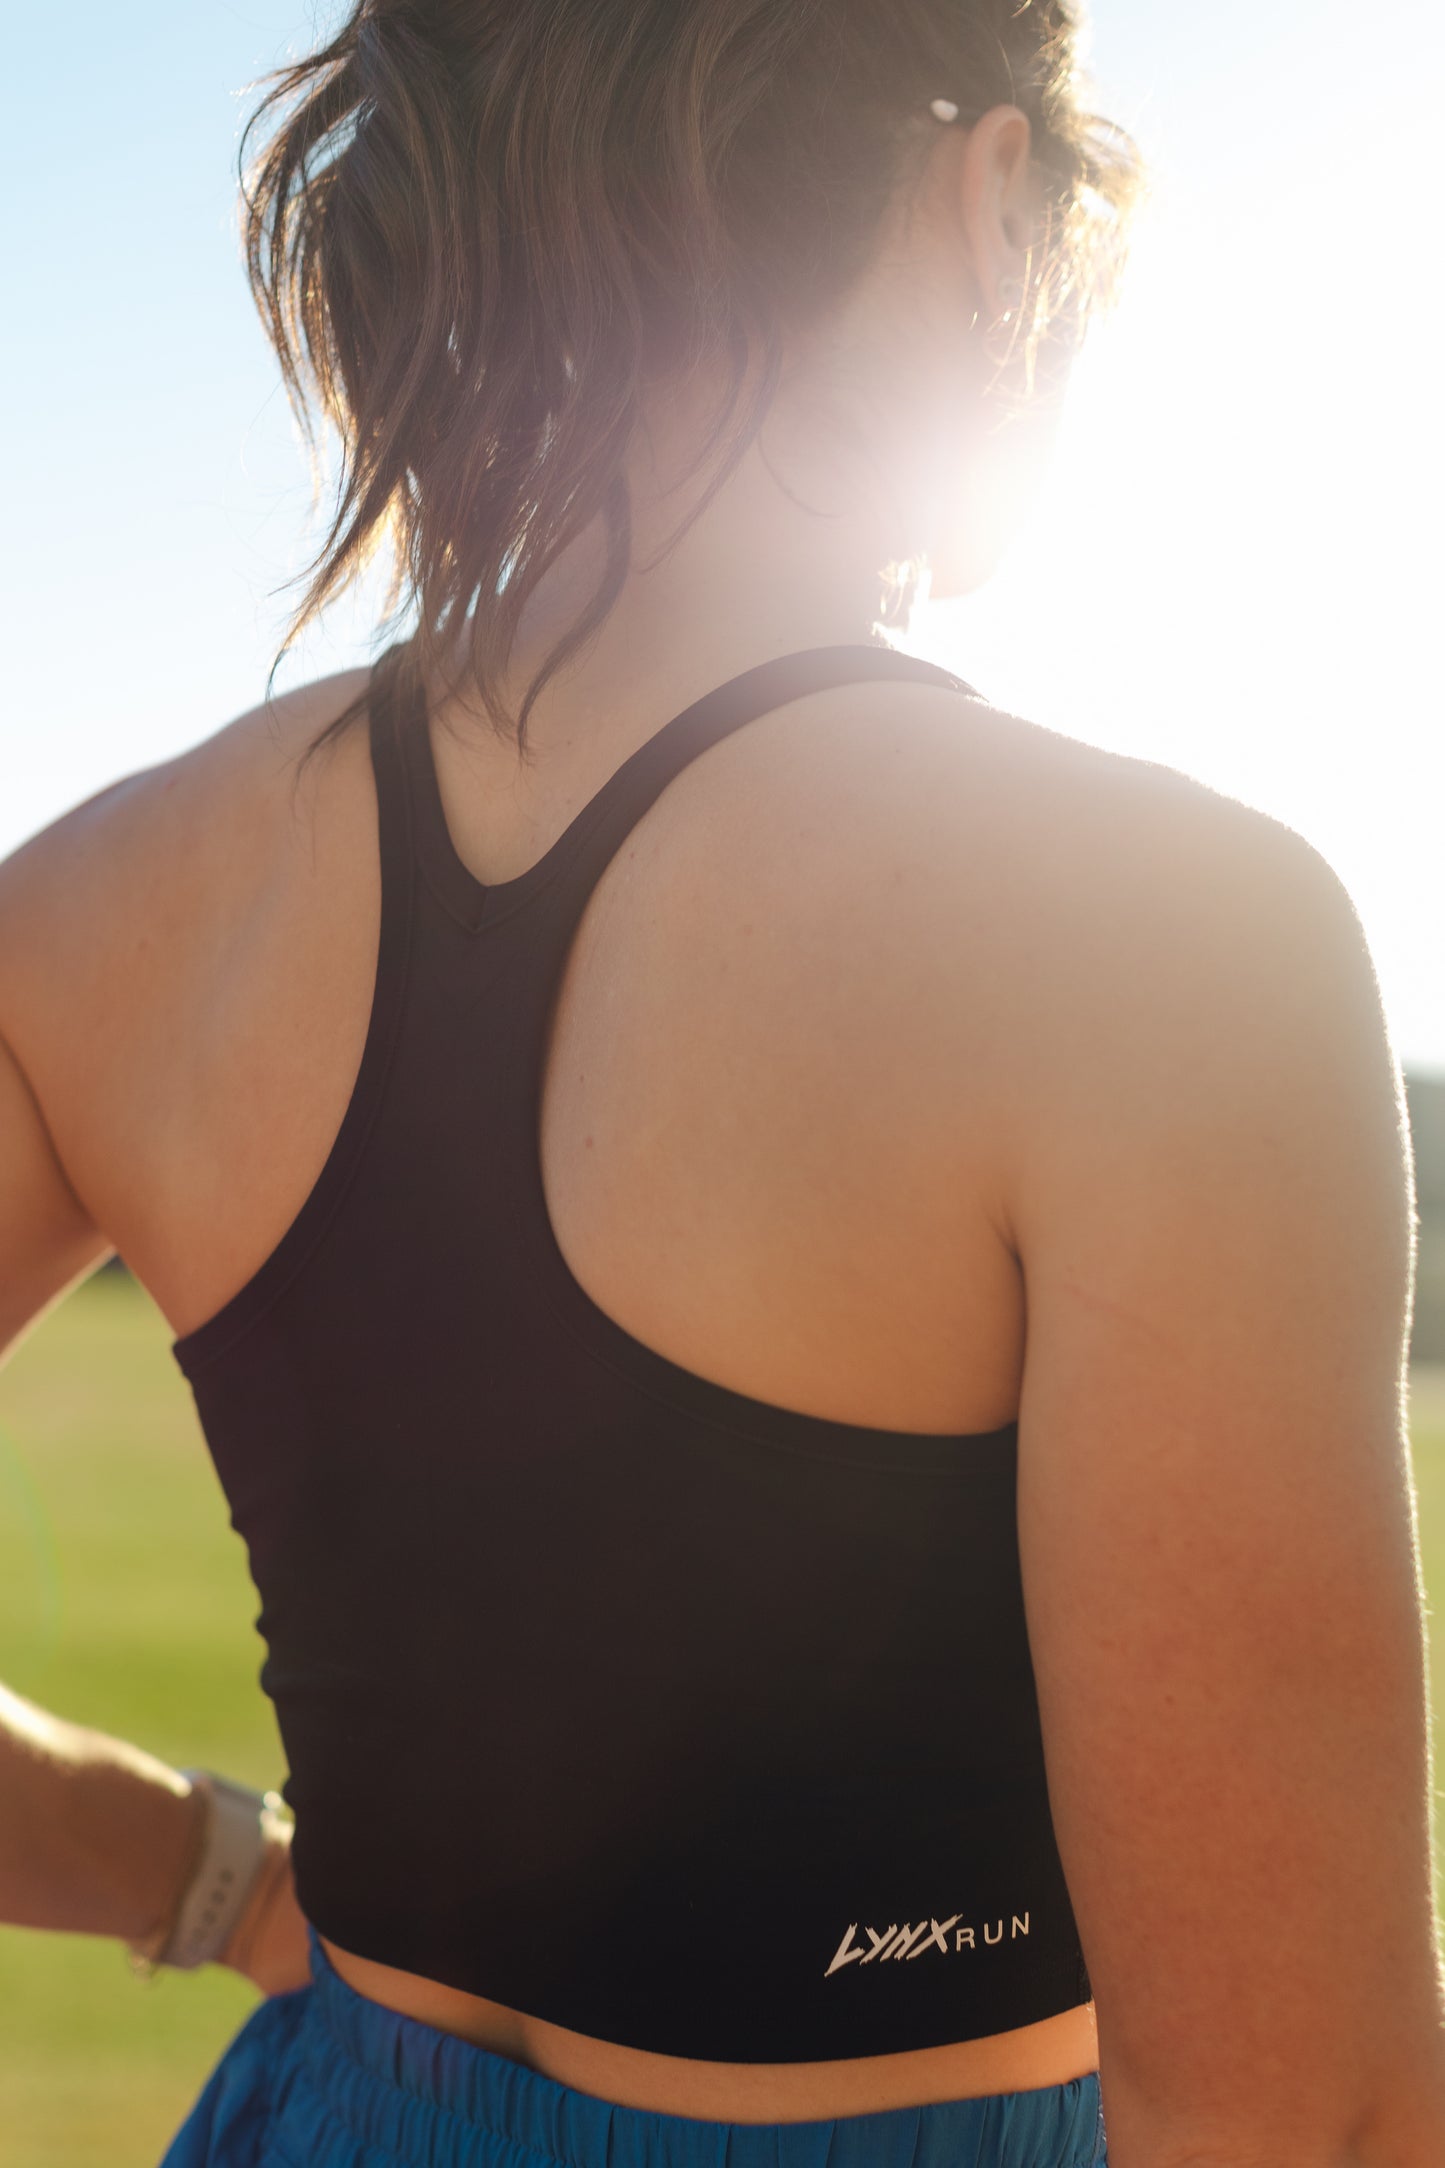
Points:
[[415, 848], [475, 903]]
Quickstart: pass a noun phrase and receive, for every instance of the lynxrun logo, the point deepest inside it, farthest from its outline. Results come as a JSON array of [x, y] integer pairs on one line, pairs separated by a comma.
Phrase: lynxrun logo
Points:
[[911, 1942]]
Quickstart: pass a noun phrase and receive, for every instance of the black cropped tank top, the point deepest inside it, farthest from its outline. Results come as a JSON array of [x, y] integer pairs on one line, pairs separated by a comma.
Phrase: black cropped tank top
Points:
[[690, 1722]]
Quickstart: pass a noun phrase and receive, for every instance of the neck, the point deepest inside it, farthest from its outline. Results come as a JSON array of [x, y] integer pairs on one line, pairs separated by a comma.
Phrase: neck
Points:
[[790, 553]]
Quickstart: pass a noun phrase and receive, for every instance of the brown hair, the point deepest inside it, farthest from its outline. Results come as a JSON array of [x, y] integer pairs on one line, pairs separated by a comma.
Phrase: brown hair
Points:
[[478, 229]]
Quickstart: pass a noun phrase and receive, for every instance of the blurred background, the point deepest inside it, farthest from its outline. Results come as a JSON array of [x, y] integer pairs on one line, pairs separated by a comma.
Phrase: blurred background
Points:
[[1235, 570]]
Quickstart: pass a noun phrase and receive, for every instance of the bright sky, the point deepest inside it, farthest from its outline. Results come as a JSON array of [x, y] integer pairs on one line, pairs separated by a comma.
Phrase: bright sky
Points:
[[1237, 568]]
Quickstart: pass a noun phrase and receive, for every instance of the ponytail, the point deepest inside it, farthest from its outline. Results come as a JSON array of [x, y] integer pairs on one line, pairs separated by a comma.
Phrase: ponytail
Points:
[[477, 230]]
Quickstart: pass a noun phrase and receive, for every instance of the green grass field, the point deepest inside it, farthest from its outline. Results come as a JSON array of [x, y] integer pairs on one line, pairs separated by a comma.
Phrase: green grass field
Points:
[[125, 1603]]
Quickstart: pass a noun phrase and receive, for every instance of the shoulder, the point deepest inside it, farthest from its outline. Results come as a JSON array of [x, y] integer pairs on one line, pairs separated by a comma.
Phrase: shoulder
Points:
[[919, 777], [1040, 944], [131, 926], [1162, 1003], [117, 893], [1129, 882], [1039, 906]]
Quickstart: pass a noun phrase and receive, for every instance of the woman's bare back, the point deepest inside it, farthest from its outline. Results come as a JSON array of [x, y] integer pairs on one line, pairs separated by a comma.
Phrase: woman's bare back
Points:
[[733, 1056], [725, 1065], [820, 1024]]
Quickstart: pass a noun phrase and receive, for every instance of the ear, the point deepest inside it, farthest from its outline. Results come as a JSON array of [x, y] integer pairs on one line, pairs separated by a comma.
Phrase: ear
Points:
[[999, 205]]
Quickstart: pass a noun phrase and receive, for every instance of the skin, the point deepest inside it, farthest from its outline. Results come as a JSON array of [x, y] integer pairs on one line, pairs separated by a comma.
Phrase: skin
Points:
[[1056, 1089]]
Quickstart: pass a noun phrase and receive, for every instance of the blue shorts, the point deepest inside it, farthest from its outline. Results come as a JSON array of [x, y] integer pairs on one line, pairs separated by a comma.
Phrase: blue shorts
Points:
[[324, 2078]]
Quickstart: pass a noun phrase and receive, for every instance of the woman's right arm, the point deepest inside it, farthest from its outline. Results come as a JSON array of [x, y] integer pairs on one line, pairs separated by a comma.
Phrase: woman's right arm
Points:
[[95, 1834], [1211, 1199]]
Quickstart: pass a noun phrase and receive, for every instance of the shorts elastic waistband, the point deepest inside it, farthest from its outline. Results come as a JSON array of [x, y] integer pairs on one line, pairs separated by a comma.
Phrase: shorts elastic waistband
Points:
[[421, 2094]]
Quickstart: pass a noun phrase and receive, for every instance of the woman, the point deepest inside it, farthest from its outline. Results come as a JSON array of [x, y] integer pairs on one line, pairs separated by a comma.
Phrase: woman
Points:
[[799, 1287]]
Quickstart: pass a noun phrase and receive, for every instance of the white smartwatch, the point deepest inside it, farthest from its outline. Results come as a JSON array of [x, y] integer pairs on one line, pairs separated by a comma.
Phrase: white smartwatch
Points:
[[239, 1825]]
